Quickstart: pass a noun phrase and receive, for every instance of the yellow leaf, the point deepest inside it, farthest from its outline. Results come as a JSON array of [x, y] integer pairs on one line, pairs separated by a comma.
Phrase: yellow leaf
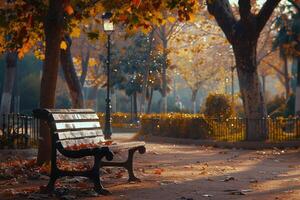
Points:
[[172, 19], [145, 30], [75, 32], [63, 45], [92, 62], [192, 17]]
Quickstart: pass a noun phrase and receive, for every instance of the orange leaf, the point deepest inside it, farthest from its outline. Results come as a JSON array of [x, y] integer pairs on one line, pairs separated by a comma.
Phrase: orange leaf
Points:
[[158, 171], [108, 142], [136, 2], [69, 9]]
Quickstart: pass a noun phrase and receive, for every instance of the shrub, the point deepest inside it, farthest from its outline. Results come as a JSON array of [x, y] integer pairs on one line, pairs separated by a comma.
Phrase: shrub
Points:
[[176, 125], [119, 120], [218, 106]]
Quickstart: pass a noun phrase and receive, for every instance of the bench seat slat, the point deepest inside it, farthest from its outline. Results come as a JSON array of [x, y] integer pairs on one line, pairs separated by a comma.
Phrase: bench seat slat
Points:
[[68, 111], [77, 125], [75, 117], [79, 134], [78, 142], [116, 147]]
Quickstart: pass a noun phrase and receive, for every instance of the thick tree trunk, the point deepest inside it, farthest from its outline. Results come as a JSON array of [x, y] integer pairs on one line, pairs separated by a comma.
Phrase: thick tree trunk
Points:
[[8, 84], [243, 34], [286, 78], [251, 90], [297, 101], [53, 33], [70, 75]]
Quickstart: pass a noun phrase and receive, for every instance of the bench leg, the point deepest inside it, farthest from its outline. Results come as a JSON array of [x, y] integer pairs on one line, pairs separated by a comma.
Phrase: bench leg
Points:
[[96, 176], [51, 185], [129, 163]]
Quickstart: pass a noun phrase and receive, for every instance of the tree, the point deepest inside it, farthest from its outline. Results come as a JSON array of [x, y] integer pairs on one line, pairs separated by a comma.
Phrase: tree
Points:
[[166, 33], [8, 83], [73, 82], [139, 67], [243, 35], [53, 34], [218, 106], [288, 40], [51, 25]]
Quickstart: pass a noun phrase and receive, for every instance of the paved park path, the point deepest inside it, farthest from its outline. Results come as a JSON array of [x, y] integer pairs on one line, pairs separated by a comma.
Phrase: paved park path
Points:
[[181, 172]]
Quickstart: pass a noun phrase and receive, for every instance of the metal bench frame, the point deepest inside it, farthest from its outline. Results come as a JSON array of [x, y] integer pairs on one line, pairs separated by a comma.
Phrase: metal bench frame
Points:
[[98, 153]]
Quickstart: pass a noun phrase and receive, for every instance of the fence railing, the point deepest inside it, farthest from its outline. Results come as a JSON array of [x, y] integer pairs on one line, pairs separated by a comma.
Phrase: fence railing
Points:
[[18, 131], [233, 129]]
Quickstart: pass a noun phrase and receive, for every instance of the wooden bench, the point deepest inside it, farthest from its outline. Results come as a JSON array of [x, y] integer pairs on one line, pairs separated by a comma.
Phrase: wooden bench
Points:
[[77, 133]]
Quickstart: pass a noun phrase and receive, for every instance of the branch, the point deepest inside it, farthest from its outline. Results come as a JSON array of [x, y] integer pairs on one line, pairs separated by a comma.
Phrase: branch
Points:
[[172, 28], [263, 56], [244, 9], [274, 67], [265, 13], [268, 33], [223, 14]]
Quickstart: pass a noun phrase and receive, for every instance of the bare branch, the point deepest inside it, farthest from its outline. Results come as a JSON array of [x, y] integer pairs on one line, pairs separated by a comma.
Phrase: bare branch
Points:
[[274, 67], [265, 13]]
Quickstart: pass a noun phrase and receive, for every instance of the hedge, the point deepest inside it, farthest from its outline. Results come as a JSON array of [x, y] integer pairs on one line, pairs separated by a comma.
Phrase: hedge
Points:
[[197, 126], [119, 120], [176, 125]]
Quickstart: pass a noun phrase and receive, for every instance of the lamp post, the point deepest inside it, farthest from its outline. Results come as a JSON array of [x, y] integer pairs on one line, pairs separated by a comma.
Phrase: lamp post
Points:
[[108, 27]]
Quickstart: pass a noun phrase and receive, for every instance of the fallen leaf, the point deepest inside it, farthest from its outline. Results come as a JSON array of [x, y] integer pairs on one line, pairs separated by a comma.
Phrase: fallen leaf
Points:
[[158, 171]]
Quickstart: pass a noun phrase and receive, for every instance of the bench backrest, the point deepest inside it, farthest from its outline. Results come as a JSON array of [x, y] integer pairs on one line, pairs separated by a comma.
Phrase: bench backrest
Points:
[[73, 126]]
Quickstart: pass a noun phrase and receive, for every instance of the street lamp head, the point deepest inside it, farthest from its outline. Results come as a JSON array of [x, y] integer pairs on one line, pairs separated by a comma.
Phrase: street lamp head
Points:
[[108, 25]]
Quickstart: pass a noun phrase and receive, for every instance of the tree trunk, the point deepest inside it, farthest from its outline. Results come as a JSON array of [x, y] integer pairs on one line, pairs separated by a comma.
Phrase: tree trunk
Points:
[[70, 75], [164, 106], [135, 118], [251, 90], [16, 93], [263, 78], [150, 101], [146, 73], [297, 101], [243, 34], [286, 78], [84, 65], [53, 34], [92, 98], [194, 96], [8, 84]]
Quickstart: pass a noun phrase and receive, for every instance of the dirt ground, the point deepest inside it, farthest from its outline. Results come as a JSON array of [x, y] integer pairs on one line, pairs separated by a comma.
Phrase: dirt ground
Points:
[[180, 172]]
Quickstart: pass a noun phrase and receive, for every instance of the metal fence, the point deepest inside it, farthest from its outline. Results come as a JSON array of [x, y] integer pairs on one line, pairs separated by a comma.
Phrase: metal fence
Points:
[[276, 130], [18, 131], [232, 130]]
